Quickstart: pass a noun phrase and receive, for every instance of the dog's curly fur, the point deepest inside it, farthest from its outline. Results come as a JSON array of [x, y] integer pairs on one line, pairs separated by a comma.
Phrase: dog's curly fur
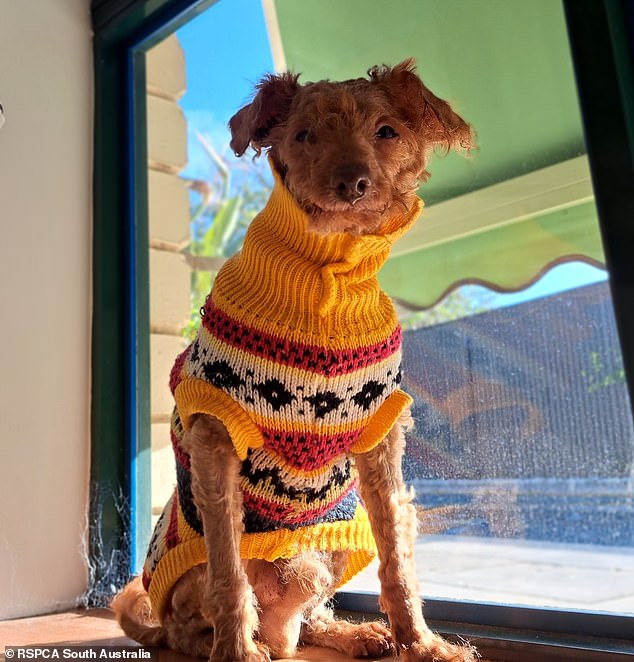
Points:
[[350, 153]]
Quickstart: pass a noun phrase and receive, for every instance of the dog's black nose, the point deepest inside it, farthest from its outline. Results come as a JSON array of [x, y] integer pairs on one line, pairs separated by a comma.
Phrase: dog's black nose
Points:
[[350, 182]]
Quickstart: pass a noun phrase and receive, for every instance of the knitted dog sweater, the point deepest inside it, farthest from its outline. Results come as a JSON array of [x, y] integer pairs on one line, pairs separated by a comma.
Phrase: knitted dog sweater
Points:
[[298, 355]]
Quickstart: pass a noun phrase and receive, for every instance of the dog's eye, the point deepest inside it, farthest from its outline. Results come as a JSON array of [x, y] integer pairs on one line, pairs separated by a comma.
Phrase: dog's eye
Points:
[[386, 131], [301, 136]]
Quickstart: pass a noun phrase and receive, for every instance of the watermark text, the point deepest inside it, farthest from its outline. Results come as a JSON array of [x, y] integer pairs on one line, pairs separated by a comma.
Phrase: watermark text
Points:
[[34, 653]]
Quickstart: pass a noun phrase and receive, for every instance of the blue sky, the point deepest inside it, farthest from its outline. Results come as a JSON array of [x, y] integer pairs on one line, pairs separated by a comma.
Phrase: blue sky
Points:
[[563, 277], [227, 51]]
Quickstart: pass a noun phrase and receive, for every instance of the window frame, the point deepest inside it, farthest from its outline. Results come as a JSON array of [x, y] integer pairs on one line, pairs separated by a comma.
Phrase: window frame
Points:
[[120, 508], [601, 34]]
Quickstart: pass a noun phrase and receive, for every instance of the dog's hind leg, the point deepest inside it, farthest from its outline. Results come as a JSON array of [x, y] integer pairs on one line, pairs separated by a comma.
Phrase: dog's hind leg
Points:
[[184, 628], [393, 521], [287, 591], [321, 628], [228, 601], [187, 630]]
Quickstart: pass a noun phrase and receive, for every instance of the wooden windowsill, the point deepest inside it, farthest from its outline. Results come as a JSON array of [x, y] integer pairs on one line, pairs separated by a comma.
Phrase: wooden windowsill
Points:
[[97, 627]]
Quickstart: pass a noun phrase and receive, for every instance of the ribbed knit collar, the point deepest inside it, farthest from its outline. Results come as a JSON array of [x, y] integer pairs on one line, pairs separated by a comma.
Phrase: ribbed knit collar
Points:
[[309, 287], [289, 222]]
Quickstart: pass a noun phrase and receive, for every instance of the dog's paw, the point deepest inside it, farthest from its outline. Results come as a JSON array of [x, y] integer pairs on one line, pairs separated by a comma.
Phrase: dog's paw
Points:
[[439, 650], [366, 640]]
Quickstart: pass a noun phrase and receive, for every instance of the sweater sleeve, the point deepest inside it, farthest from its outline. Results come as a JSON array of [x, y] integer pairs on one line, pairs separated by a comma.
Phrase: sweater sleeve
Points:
[[194, 396], [382, 421]]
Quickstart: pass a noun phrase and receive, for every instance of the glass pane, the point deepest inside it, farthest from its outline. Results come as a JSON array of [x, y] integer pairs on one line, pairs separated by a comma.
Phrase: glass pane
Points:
[[521, 457], [522, 453]]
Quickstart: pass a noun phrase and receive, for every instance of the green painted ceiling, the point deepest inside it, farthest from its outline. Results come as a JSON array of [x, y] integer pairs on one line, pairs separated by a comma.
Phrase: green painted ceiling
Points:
[[504, 65]]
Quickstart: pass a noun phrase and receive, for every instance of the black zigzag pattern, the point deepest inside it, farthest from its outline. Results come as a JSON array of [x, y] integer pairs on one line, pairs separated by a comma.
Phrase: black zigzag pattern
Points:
[[255, 477]]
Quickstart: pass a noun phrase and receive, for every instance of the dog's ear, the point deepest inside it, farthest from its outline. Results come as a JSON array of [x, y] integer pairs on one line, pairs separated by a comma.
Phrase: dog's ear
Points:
[[428, 114], [251, 125]]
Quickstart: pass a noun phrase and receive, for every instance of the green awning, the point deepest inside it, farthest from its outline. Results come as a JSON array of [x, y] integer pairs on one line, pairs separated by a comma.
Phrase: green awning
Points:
[[523, 203], [504, 237]]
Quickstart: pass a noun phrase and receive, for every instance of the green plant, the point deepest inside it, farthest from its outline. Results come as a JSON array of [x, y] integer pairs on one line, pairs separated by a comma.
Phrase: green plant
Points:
[[599, 375], [228, 203]]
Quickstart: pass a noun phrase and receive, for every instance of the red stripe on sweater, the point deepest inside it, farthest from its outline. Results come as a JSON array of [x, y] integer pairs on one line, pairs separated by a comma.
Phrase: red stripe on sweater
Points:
[[171, 536], [306, 357], [308, 451], [182, 457], [177, 368]]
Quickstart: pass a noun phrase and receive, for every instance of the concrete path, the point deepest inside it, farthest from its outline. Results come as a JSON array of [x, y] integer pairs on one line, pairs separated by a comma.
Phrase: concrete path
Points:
[[520, 572]]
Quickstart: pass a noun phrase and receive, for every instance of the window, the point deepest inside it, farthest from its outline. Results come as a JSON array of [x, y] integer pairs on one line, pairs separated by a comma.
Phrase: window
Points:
[[523, 450]]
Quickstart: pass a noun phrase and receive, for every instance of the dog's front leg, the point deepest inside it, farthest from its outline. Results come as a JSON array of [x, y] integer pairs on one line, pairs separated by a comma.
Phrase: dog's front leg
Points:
[[393, 521], [229, 602]]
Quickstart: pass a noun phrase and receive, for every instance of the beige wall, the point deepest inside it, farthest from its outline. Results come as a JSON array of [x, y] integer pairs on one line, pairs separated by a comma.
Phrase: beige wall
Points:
[[45, 216]]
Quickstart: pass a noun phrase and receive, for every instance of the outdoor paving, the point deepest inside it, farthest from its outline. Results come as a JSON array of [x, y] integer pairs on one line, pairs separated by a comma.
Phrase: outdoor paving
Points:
[[520, 572]]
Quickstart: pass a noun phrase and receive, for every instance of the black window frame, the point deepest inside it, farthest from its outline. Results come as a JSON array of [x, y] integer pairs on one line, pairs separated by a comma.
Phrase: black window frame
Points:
[[601, 34]]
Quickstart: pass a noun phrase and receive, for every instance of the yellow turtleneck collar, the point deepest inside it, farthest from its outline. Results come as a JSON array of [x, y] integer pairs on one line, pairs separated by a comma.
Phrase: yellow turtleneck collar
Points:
[[289, 222], [305, 286]]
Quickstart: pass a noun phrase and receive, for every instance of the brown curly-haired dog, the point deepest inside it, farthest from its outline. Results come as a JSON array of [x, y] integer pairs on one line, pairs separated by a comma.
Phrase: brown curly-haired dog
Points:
[[351, 155]]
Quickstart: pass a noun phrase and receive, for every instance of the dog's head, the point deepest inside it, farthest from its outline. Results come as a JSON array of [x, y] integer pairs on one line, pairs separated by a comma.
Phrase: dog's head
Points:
[[351, 153]]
